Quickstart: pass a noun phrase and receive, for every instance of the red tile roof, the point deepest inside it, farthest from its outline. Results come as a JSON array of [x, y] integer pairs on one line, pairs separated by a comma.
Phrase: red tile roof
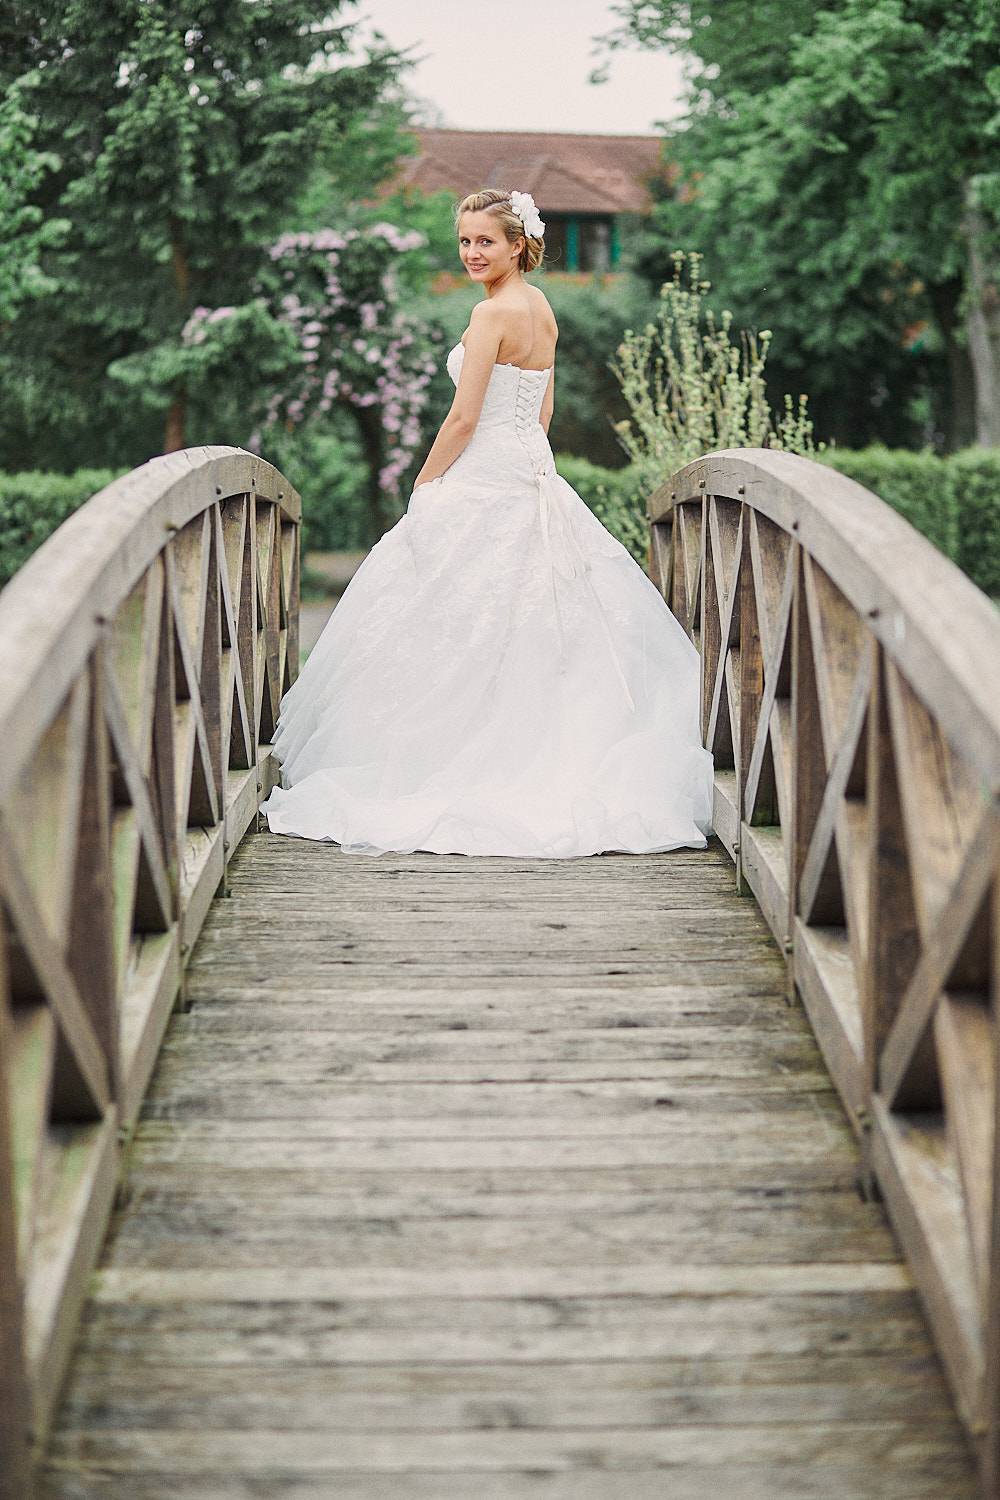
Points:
[[598, 174]]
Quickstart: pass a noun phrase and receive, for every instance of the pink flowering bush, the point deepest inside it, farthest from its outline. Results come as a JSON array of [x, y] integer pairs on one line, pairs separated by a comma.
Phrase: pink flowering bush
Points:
[[333, 299]]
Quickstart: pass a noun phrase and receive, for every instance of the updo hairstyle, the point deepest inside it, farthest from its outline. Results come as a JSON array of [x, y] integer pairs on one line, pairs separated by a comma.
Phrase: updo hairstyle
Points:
[[496, 202]]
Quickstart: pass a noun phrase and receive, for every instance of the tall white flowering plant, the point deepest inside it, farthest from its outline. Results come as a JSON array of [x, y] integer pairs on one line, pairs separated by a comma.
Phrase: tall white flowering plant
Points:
[[691, 388]]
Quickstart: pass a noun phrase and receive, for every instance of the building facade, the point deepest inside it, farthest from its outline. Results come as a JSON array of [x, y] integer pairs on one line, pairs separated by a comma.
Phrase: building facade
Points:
[[582, 184]]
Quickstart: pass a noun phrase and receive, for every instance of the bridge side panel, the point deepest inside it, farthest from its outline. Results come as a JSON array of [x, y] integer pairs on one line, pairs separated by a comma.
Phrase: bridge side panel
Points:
[[147, 767], [861, 805]]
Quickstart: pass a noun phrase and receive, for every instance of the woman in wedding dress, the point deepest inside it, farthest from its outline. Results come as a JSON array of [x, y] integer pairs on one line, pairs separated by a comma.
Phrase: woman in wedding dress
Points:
[[500, 677]]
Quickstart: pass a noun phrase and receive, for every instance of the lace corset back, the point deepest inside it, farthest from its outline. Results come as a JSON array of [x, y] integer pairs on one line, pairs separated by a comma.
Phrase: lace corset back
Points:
[[513, 395]]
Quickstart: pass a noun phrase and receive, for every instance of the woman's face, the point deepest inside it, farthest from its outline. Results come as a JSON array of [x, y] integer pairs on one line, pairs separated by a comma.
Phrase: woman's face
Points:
[[486, 252]]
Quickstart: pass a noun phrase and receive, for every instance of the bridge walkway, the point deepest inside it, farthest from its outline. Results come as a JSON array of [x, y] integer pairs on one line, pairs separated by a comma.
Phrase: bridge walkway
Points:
[[489, 1178]]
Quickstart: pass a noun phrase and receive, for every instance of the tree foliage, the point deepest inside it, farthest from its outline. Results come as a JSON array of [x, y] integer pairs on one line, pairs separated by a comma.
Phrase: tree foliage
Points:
[[26, 231], [185, 134], [841, 171]]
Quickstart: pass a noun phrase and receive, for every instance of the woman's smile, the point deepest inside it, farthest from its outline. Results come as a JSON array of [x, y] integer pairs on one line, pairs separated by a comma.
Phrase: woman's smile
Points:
[[487, 255]]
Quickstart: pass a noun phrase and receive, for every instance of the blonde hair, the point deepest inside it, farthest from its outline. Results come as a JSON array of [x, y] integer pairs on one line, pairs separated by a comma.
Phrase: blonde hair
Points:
[[496, 202]]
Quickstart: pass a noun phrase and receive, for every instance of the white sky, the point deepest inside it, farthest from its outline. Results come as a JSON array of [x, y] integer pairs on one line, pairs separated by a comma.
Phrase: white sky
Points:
[[524, 65]]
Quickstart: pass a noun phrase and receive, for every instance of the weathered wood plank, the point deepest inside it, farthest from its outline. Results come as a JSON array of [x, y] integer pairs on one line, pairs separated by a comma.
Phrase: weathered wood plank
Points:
[[181, 1236], [116, 1287], [837, 1387], [265, 1452], [549, 1186], [781, 1480], [448, 1330]]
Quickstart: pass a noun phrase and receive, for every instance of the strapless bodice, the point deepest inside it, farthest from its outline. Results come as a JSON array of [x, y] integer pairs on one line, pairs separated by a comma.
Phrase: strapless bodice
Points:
[[513, 395]]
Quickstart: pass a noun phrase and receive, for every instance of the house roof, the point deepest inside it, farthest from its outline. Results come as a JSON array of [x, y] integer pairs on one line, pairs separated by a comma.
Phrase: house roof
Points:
[[599, 174]]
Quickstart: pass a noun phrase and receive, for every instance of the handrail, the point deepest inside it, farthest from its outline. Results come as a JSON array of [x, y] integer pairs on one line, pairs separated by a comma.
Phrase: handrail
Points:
[[143, 652], [851, 697]]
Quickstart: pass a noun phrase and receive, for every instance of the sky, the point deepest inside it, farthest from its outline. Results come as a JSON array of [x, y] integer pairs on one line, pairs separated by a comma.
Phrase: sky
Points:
[[524, 65]]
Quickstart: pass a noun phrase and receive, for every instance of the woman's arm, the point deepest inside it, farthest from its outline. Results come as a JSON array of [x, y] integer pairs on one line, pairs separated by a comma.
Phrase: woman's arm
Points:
[[482, 344], [548, 402]]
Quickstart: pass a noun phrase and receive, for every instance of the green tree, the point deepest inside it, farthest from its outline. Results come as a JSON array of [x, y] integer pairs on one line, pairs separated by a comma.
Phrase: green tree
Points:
[[186, 134], [840, 171], [327, 323]]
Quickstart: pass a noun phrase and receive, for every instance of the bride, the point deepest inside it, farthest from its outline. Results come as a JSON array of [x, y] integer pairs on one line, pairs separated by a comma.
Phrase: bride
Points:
[[500, 677]]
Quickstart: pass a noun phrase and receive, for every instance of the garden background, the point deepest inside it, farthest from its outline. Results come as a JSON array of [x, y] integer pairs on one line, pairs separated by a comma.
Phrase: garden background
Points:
[[196, 250]]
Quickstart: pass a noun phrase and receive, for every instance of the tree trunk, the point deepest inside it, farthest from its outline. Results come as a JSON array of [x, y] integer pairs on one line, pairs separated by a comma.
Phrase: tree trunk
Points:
[[174, 438], [370, 429], [983, 324], [960, 422]]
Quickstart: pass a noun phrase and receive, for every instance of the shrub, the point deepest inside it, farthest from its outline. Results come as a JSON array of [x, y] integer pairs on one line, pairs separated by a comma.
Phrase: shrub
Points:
[[954, 501], [919, 485], [975, 483], [593, 314], [692, 389], [32, 505], [328, 469]]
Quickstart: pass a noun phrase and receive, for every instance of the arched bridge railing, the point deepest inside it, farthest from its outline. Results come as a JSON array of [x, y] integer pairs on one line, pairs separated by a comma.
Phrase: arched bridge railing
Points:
[[851, 696], [143, 652]]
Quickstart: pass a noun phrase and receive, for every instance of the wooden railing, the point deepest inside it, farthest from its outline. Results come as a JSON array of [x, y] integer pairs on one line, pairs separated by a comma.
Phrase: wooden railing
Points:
[[851, 697], [143, 652]]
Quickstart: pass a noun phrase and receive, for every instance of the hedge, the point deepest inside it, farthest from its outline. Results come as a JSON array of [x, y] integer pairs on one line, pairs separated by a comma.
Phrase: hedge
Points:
[[975, 482], [32, 505], [918, 485], [954, 501]]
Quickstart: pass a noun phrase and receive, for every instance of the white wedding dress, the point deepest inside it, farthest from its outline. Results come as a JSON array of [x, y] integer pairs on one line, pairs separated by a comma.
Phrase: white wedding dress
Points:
[[500, 677]]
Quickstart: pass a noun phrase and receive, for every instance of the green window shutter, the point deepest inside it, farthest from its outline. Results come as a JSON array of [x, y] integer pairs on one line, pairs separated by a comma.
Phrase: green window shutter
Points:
[[572, 245]]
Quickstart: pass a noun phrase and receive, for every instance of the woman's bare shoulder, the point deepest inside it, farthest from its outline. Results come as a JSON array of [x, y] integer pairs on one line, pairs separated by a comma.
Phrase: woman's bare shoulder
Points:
[[485, 312], [509, 317], [486, 321], [540, 307]]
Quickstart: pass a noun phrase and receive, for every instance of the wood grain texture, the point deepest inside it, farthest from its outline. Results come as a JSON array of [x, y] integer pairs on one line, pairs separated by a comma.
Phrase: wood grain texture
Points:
[[504, 1181]]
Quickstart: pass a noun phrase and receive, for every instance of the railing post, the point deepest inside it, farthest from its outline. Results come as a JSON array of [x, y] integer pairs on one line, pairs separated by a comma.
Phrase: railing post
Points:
[[990, 1444], [808, 756], [893, 935], [91, 939], [15, 1437], [709, 620]]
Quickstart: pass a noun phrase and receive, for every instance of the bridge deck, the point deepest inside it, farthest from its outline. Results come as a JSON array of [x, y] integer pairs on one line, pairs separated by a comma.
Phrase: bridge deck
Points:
[[497, 1179]]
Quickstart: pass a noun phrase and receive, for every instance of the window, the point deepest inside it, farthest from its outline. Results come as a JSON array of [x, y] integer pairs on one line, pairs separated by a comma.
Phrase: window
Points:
[[577, 242]]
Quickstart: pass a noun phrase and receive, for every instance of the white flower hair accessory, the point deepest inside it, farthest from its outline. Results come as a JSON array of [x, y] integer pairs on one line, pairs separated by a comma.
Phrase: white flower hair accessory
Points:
[[523, 204]]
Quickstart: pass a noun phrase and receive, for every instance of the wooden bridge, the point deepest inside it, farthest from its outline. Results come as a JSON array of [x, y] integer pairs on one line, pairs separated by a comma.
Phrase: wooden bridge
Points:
[[500, 1178]]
